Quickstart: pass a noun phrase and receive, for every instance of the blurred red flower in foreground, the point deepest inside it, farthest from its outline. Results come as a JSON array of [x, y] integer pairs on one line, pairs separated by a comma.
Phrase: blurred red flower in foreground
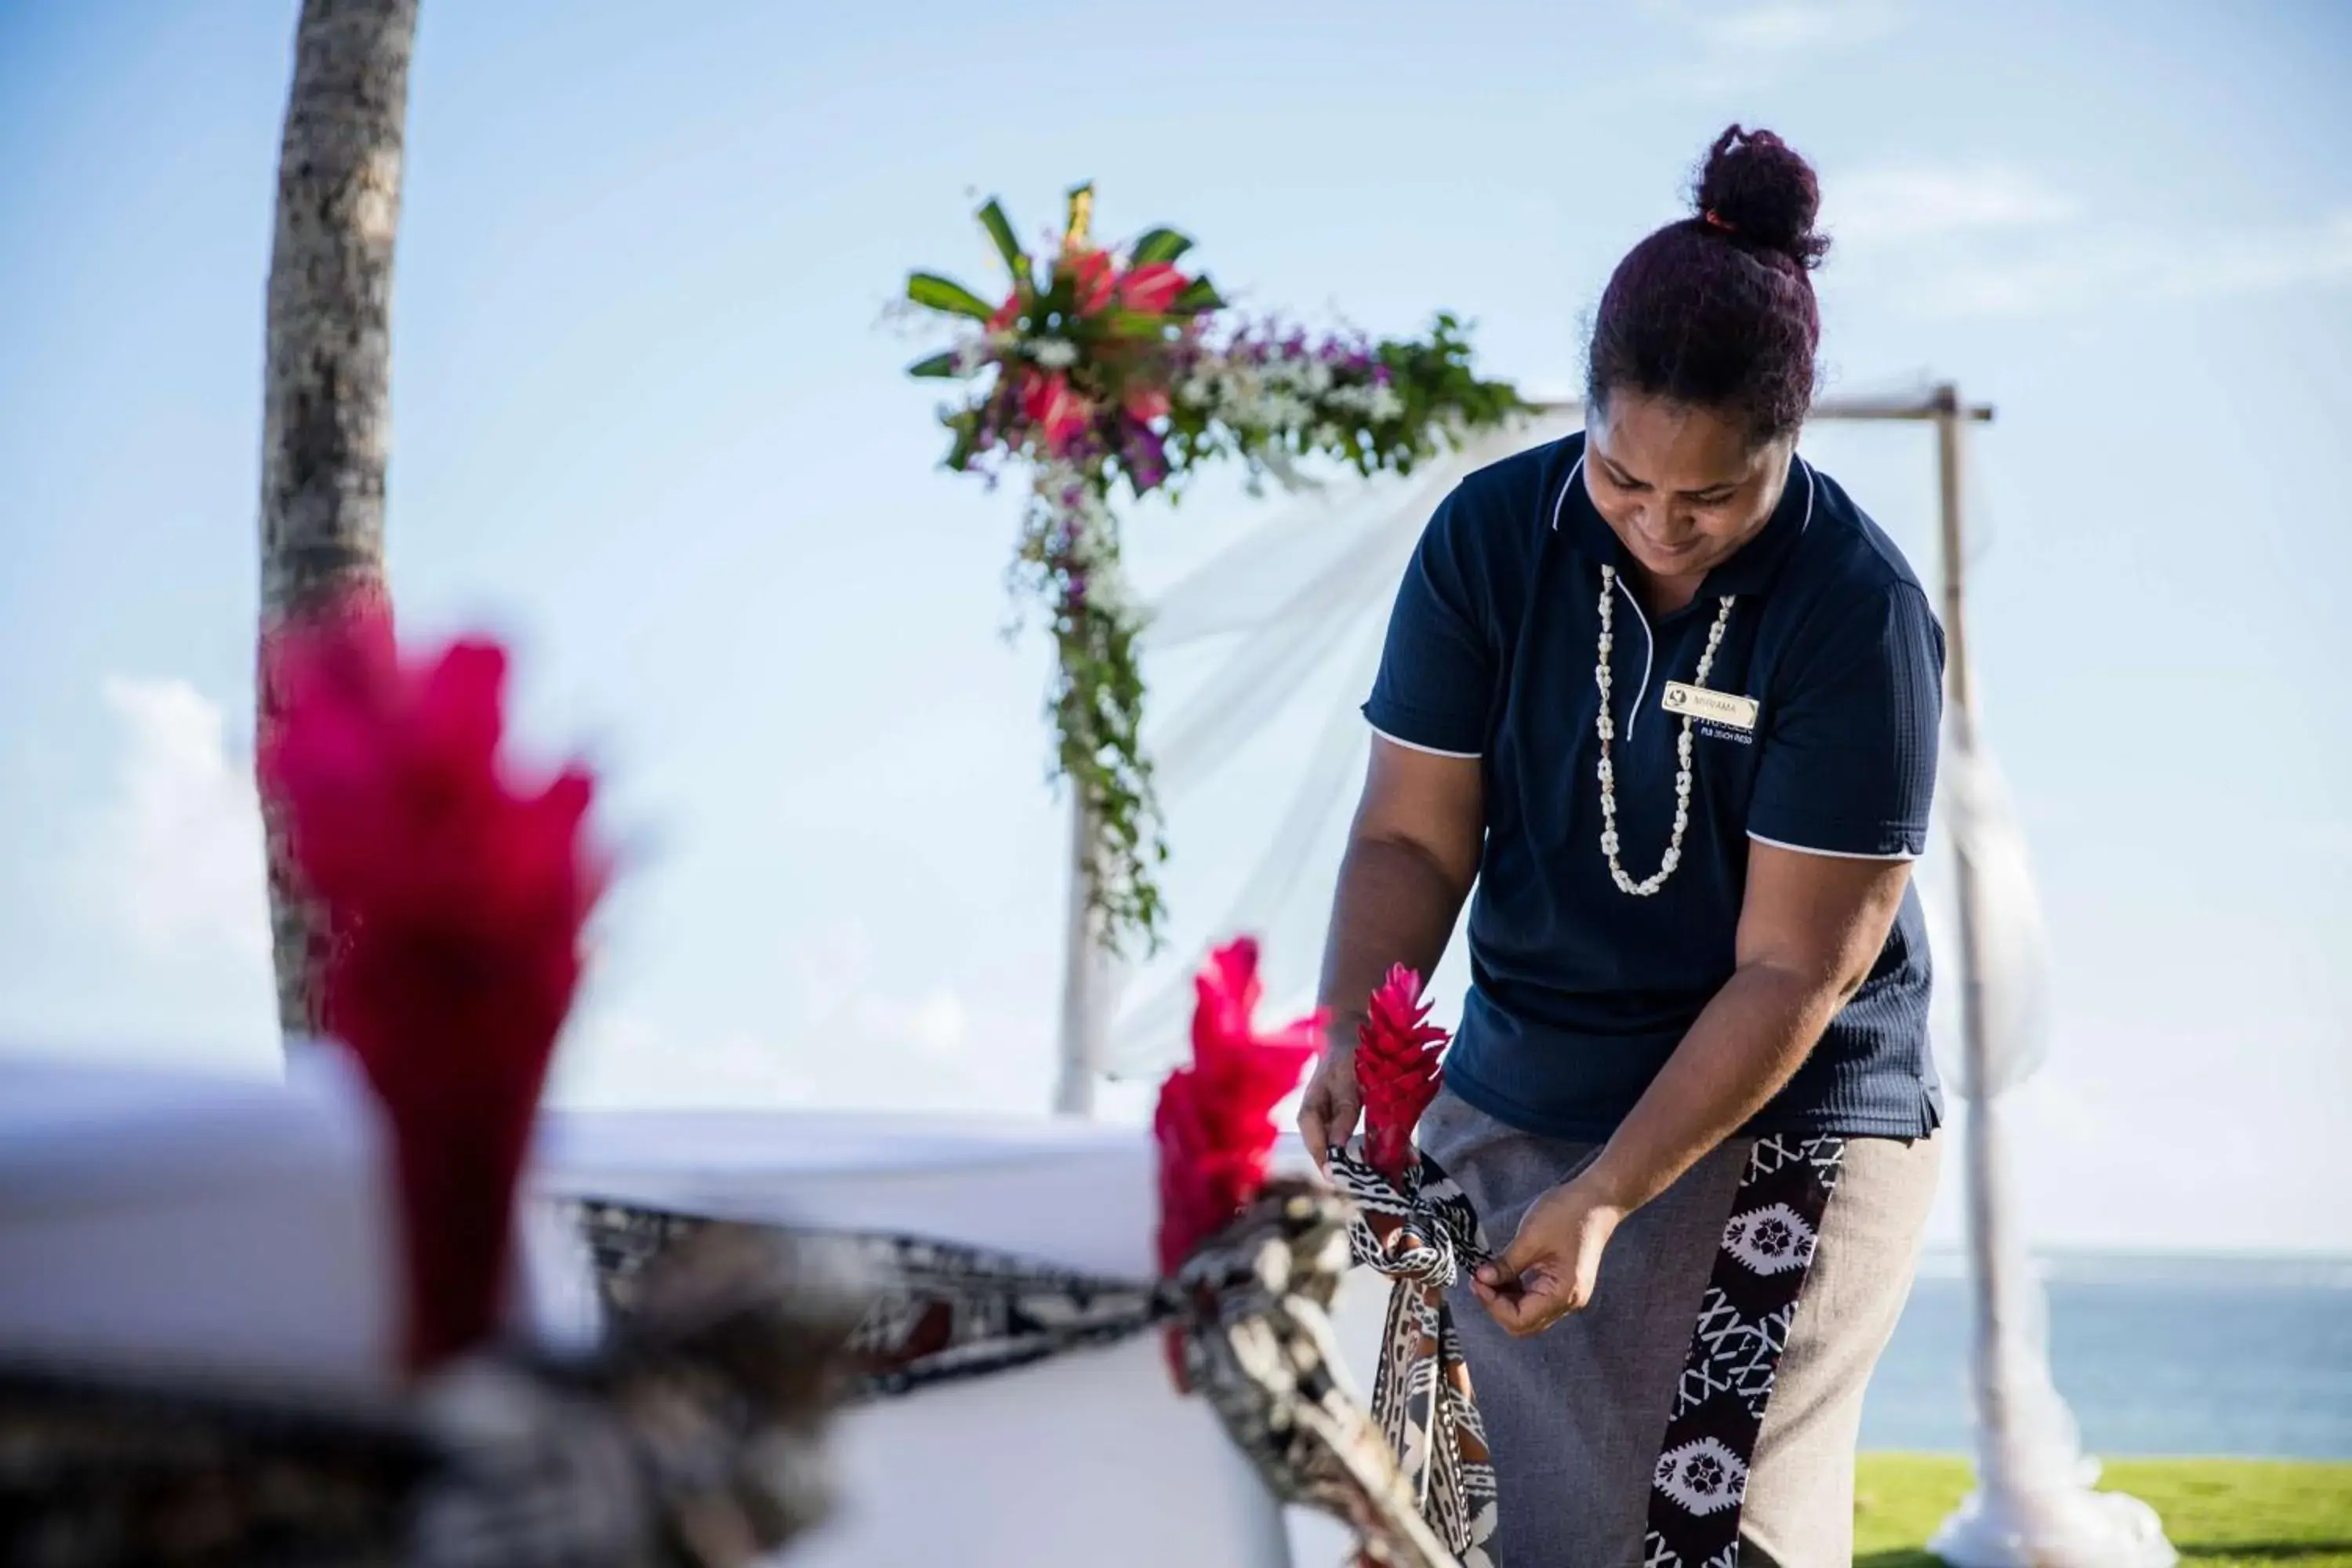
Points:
[[1214, 1125], [455, 903], [1397, 1055]]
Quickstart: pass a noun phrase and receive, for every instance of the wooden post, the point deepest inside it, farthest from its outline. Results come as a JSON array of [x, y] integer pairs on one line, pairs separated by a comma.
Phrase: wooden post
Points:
[[1949, 417], [1987, 1205], [1073, 1086]]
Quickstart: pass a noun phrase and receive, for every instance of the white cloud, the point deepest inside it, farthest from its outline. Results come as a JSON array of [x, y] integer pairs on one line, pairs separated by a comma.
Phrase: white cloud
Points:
[[2092, 1162], [842, 997], [841, 1032], [172, 857], [1735, 48], [2142, 269], [1986, 240], [1894, 205], [1789, 27], [2169, 269]]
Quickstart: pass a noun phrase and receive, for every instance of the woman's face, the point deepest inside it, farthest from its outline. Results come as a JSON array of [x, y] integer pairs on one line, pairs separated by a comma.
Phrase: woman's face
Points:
[[1682, 487]]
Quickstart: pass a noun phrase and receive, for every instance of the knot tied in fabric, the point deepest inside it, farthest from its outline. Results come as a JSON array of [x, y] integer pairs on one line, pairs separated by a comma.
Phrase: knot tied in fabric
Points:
[[1422, 1235]]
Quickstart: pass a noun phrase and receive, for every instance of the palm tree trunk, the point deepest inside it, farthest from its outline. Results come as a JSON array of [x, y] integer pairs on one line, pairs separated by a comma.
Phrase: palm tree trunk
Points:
[[327, 384]]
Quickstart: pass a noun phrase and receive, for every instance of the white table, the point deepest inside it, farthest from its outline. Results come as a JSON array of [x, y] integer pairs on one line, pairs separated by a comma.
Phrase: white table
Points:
[[186, 1224], [1086, 1459]]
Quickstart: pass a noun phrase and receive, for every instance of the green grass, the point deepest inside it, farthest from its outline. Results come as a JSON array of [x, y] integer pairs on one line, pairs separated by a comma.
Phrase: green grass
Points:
[[2221, 1513]]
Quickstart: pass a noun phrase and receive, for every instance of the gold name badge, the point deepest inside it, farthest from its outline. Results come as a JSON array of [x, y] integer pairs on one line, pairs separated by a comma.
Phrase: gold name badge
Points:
[[1715, 707]]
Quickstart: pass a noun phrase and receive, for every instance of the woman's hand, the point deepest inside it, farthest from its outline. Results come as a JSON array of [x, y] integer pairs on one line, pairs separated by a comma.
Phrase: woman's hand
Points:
[[1412, 856], [1552, 1266], [1327, 1113]]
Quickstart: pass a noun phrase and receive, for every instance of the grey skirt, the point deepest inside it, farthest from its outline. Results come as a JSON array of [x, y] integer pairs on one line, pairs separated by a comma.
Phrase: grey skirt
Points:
[[1576, 1415]]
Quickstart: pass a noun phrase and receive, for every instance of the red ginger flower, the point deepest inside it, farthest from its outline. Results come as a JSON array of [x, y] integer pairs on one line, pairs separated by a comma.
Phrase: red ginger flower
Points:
[[1064, 415], [455, 903], [1215, 1126], [1397, 1053], [1093, 278], [1151, 288]]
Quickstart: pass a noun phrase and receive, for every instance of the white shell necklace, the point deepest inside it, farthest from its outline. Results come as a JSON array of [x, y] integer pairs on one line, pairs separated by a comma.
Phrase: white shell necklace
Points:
[[1608, 728]]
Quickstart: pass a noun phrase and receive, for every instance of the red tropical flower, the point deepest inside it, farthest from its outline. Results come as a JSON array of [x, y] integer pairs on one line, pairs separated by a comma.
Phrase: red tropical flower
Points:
[[1214, 1125], [1397, 1056], [1062, 415], [1151, 288], [1094, 277], [456, 901]]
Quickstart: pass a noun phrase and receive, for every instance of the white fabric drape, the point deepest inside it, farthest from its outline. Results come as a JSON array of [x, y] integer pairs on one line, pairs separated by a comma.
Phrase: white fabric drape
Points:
[[1292, 616], [2035, 1506]]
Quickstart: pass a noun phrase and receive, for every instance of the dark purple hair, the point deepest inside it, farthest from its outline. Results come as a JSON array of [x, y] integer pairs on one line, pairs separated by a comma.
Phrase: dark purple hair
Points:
[[1717, 309]]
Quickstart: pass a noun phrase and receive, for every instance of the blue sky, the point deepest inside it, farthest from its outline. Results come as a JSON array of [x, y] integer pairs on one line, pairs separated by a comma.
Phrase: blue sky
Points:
[[648, 421]]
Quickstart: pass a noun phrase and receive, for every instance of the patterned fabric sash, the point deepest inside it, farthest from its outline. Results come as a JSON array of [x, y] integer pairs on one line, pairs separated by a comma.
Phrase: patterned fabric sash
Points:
[[1422, 1237], [1743, 1326], [1251, 1308], [1257, 1343], [936, 1310]]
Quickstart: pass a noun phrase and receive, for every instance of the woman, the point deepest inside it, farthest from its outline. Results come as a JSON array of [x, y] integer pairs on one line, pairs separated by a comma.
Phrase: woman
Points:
[[1670, 698]]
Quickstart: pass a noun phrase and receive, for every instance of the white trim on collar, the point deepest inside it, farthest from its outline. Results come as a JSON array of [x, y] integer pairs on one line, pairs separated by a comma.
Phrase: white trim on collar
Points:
[[1561, 504]]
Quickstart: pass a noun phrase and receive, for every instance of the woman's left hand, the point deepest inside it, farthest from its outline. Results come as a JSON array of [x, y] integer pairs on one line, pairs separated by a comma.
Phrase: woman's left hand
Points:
[[1552, 1266]]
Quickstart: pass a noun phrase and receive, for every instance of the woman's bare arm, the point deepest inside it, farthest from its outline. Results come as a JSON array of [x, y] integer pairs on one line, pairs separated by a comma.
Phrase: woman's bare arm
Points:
[[1411, 857]]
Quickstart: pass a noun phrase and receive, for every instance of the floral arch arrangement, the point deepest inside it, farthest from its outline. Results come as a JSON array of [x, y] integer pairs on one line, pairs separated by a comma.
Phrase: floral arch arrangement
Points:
[[1110, 368]]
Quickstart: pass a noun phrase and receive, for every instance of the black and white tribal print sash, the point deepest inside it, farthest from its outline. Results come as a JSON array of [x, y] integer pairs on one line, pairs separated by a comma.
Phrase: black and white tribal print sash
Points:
[[1423, 1239], [936, 1309], [1252, 1303], [1743, 1318], [1258, 1346]]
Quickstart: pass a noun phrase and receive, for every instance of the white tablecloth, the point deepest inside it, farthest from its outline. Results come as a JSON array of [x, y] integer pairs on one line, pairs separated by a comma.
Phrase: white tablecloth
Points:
[[184, 1222], [179, 1222], [1088, 1459]]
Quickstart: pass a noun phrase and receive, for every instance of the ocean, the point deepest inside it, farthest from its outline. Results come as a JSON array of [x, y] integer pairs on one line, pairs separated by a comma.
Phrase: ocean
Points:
[[2155, 1355]]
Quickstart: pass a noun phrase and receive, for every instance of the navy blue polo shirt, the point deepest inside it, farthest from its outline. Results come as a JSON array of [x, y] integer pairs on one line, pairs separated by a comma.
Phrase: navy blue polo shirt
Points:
[[1582, 990]]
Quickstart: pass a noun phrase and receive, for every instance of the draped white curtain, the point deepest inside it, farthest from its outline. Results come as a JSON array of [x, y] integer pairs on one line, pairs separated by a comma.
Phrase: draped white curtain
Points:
[[2034, 1502], [1280, 636]]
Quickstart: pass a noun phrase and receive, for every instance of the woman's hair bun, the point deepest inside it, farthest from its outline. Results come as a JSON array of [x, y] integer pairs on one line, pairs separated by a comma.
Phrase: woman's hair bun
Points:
[[1755, 188]]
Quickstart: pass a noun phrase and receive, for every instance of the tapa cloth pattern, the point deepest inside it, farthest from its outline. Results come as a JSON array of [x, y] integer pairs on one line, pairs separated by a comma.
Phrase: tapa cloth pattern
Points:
[[936, 1309], [1250, 1306], [1769, 1243], [1422, 1236]]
